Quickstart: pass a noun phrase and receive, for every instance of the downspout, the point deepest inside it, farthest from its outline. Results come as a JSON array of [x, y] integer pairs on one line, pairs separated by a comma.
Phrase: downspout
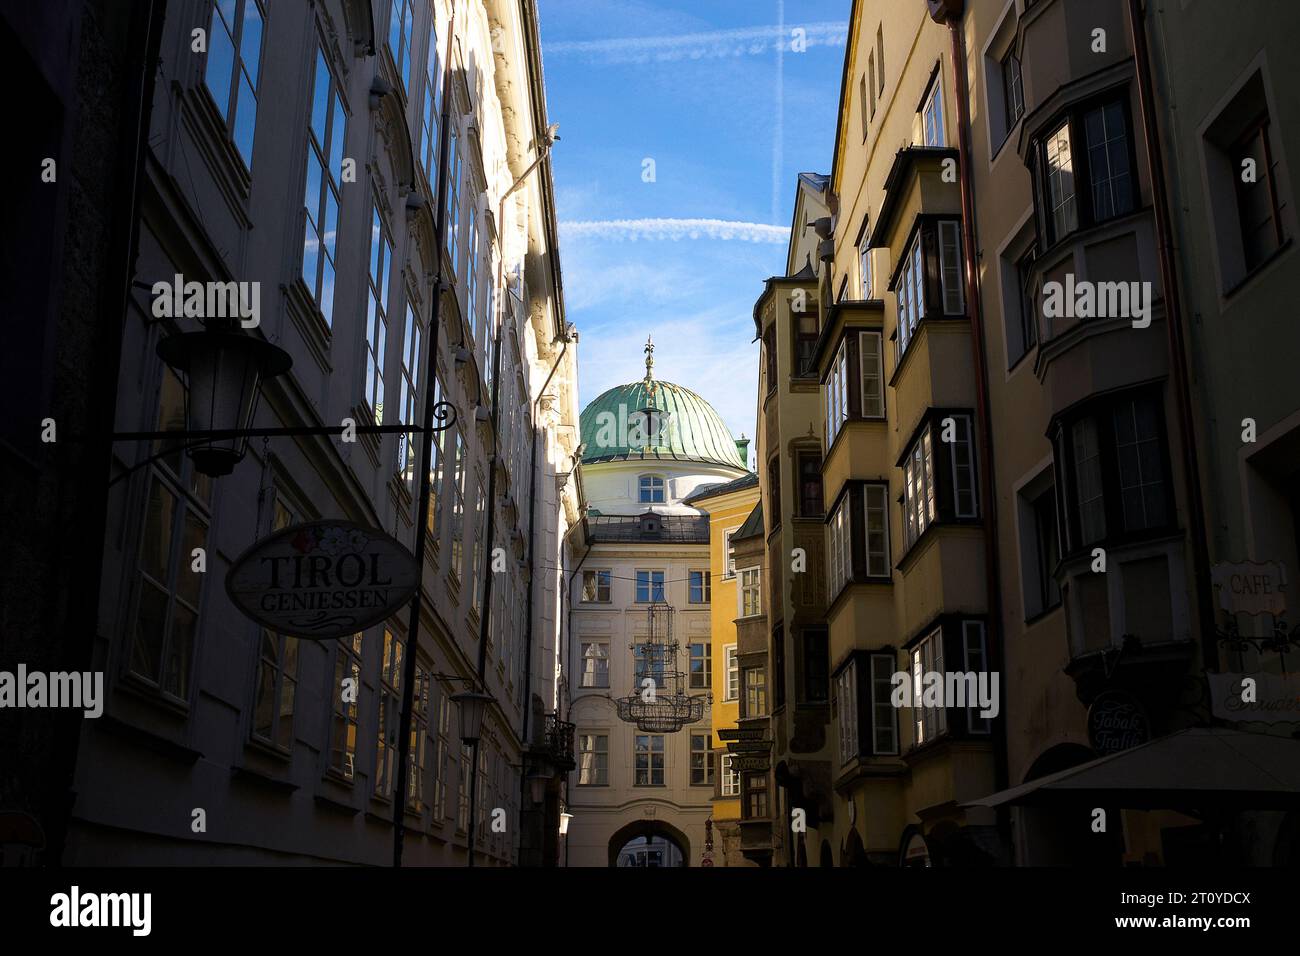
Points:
[[950, 12], [1174, 328]]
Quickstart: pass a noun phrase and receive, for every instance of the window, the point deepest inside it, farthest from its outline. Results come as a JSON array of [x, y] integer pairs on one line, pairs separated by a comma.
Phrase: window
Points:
[[864, 266], [884, 715], [918, 489], [401, 23], [408, 401], [837, 406], [1039, 548], [457, 498], [927, 657], [595, 664], [165, 629], [325, 136], [730, 782], [880, 58], [774, 489], [755, 798], [593, 760], [871, 361], [648, 757], [846, 703], [733, 673], [649, 587], [650, 661], [431, 116], [839, 556], [277, 681], [471, 276], [476, 572], [651, 490], [950, 267], [867, 107], [809, 466], [433, 521], [231, 71], [816, 666], [441, 750], [480, 799], [975, 660], [1013, 90], [910, 290], [453, 194], [381, 251], [417, 774], [344, 720], [596, 587], [1081, 190], [778, 666], [701, 759], [1022, 333], [462, 790], [875, 499], [755, 692], [805, 339], [390, 679], [701, 587], [1114, 459], [729, 560], [932, 114], [962, 454], [701, 663], [750, 605]]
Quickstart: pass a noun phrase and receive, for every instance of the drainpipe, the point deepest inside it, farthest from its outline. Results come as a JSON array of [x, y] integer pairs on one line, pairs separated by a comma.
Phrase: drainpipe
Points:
[[1174, 329], [950, 12], [565, 338]]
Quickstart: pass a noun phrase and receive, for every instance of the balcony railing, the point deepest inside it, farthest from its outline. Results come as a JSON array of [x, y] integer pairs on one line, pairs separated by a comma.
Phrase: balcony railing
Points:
[[558, 737]]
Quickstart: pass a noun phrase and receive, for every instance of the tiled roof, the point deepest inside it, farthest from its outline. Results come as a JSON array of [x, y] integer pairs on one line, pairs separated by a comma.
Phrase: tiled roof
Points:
[[648, 528], [712, 491]]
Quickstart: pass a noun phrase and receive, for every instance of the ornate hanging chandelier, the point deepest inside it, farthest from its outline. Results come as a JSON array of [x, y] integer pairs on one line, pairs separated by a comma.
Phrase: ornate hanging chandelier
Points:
[[659, 702]]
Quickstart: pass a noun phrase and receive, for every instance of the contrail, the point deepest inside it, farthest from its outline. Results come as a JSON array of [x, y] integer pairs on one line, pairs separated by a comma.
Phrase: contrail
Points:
[[674, 229], [749, 41]]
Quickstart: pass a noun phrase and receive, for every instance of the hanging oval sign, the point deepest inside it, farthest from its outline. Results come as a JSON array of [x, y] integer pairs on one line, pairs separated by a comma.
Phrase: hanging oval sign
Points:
[[322, 579]]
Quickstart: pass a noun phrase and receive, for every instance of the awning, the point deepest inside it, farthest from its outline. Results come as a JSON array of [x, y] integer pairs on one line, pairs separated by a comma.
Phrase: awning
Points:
[[1195, 768]]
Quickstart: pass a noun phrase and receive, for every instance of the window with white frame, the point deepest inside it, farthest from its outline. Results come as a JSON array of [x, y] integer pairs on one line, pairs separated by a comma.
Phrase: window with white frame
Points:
[[750, 604], [1062, 211], [441, 753], [390, 679], [651, 490], [927, 658], [875, 499], [456, 497], [433, 520], [884, 715], [480, 798], [409, 398], [420, 741], [471, 273], [595, 664], [732, 691], [649, 587], [836, 391], [325, 136], [975, 658], [593, 759], [950, 266], [846, 703], [755, 692], [401, 28], [910, 291], [932, 114], [381, 253], [648, 760], [431, 116], [344, 712], [919, 509], [476, 572], [453, 193], [871, 363], [462, 790], [700, 587], [864, 267], [596, 586], [962, 453], [730, 782], [728, 561], [701, 758], [701, 665], [231, 72], [839, 551]]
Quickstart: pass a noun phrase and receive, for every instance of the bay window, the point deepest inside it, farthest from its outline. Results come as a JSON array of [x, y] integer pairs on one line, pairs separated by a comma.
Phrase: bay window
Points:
[[1085, 167], [929, 282], [939, 482]]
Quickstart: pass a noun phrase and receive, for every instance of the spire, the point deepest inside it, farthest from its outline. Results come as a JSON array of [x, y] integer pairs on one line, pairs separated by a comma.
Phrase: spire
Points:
[[649, 361]]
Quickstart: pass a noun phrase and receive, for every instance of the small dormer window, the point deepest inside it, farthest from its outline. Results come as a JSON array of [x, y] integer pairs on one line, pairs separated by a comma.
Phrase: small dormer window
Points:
[[650, 524], [651, 490]]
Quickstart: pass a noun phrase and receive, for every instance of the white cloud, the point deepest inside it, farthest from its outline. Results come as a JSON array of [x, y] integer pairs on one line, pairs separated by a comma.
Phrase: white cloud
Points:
[[697, 46], [674, 229]]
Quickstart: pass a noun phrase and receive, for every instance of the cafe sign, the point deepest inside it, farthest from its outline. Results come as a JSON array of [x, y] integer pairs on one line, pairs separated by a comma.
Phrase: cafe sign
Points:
[[322, 579], [1269, 698], [1117, 721], [1248, 587]]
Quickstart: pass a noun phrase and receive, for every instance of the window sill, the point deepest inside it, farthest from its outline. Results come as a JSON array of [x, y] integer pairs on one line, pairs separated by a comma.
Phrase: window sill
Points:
[[1250, 276], [1043, 614]]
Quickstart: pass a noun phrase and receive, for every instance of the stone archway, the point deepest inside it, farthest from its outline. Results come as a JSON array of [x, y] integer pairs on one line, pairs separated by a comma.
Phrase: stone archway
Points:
[[649, 829]]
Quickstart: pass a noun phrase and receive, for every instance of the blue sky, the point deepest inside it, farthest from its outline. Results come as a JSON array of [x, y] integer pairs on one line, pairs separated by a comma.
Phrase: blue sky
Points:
[[700, 88]]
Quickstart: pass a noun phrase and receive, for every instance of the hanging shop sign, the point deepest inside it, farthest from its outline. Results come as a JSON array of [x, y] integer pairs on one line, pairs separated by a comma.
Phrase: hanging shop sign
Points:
[[749, 763], [1248, 587], [1117, 721], [740, 733], [749, 746], [1270, 698], [322, 579]]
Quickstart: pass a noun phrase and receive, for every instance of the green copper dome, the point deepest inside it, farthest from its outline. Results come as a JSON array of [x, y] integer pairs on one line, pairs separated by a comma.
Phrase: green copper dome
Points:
[[651, 420]]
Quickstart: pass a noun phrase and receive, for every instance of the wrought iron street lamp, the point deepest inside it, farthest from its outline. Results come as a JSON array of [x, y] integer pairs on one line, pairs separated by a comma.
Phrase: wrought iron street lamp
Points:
[[224, 372], [472, 705], [564, 823]]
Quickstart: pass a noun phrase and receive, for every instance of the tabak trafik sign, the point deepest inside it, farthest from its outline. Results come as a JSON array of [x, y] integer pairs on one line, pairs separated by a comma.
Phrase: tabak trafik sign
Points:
[[322, 579]]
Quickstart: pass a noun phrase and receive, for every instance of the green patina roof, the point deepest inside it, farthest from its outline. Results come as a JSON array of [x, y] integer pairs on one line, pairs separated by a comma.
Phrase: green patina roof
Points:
[[692, 430]]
